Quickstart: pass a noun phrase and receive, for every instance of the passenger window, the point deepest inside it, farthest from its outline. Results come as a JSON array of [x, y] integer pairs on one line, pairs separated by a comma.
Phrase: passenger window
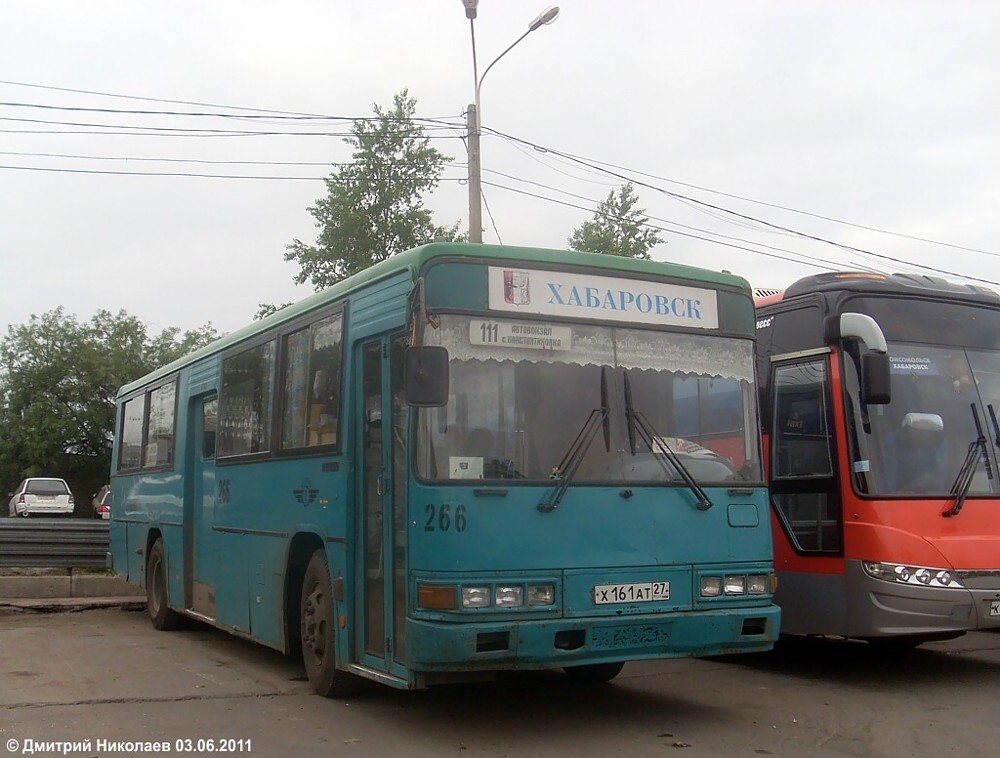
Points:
[[209, 422], [130, 449], [160, 427], [245, 406], [311, 412]]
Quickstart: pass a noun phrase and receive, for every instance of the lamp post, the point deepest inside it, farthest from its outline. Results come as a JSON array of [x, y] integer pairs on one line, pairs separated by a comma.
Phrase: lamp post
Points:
[[544, 18]]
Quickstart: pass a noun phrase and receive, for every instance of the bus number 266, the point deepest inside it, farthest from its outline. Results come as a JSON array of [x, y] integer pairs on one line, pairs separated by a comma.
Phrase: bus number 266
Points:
[[440, 519]]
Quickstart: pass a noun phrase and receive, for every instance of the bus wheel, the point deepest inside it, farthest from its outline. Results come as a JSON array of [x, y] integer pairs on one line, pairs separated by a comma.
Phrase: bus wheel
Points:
[[160, 614], [595, 673], [318, 632]]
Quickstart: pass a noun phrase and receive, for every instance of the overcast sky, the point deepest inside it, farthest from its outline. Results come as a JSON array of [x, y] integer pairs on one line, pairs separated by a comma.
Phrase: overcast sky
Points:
[[874, 127]]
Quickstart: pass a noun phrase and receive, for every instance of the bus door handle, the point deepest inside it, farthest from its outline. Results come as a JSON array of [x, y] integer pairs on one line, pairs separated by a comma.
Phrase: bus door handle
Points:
[[380, 483]]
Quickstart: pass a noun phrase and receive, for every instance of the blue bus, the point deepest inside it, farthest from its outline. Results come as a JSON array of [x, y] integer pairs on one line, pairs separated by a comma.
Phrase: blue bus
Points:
[[463, 460]]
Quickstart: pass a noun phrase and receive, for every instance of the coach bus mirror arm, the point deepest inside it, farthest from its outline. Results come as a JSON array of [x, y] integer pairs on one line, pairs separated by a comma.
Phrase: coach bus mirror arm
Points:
[[963, 482], [425, 376], [567, 468], [873, 366]]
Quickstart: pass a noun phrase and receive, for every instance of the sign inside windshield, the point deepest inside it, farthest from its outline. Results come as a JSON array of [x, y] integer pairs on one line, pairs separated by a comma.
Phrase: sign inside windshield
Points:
[[537, 336]]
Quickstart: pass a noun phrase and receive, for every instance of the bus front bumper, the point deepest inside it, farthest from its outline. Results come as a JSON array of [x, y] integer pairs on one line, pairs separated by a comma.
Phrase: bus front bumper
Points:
[[556, 643]]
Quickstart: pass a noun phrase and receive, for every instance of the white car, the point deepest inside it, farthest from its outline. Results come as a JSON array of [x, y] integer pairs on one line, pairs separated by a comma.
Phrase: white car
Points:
[[41, 496]]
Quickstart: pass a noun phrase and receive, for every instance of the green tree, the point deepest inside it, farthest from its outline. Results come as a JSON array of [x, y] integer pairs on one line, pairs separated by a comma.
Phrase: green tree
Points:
[[58, 381], [375, 206], [619, 227]]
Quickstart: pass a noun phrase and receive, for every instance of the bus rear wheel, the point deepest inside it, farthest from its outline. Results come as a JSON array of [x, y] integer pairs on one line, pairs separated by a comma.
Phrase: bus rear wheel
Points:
[[318, 632], [164, 619], [594, 673]]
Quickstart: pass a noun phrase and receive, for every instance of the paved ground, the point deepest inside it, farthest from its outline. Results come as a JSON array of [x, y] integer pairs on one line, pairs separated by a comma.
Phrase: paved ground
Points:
[[106, 674]]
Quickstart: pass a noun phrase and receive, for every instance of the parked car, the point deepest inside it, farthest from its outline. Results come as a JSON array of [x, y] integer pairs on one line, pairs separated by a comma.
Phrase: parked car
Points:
[[102, 503], [41, 496]]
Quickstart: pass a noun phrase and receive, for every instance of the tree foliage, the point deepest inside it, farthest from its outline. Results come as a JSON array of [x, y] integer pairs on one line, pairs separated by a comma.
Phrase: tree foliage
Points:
[[58, 381], [619, 227], [375, 206]]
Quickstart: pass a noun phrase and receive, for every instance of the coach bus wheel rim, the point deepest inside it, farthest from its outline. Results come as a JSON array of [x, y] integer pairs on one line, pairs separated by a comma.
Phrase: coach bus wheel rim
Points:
[[318, 634]]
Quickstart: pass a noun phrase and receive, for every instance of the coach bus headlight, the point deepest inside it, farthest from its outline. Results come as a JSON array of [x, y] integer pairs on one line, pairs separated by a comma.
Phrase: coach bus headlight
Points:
[[475, 597], [757, 584], [541, 594], [711, 586], [915, 575], [436, 597], [509, 597]]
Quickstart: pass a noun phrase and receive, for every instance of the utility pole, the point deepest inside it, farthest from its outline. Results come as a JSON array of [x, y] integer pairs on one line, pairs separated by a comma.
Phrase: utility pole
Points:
[[475, 174]]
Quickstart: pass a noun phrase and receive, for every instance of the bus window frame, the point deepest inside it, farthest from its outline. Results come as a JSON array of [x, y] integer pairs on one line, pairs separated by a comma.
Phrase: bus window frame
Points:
[[145, 394], [827, 486], [279, 336]]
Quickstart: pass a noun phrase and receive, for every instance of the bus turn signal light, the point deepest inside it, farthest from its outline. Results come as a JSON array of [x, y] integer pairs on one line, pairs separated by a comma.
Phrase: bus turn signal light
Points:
[[436, 597]]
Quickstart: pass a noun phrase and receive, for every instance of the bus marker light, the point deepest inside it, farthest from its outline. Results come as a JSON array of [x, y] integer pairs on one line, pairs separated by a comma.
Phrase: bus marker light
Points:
[[541, 594], [475, 597], [436, 597], [509, 597]]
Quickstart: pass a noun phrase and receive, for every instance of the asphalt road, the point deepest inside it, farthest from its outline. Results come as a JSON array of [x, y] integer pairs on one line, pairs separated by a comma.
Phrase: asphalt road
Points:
[[107, 675]]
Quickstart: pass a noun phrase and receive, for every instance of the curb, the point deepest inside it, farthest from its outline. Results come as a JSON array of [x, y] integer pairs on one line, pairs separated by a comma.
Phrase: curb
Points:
[[70, 604]]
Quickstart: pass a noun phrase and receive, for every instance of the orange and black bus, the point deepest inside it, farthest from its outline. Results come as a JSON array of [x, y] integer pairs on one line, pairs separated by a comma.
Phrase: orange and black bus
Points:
[[880, 400]]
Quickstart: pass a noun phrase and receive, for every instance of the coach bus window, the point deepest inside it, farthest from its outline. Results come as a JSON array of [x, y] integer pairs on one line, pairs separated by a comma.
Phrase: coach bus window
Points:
[[130, 452], [160, 427], [311, 412], [801, 442], [245, 406]]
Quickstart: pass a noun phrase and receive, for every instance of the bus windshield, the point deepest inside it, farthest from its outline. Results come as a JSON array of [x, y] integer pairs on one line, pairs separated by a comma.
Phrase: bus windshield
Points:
[[916, 444], [522, 392]]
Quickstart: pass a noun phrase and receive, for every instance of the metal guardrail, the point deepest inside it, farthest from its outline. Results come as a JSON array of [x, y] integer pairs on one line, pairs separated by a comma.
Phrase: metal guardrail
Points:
[[53, 543]]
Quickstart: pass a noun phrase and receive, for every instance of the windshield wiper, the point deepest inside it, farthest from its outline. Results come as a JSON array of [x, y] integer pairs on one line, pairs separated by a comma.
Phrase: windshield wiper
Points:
[[637, 422], [963, 482], [599, 418]]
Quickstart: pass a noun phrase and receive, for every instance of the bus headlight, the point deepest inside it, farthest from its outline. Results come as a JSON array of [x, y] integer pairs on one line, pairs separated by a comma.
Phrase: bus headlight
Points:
[[475, 597], [541, 594], [711, 586], [921, 576], [509, 597], [757, 584], [736, 584]]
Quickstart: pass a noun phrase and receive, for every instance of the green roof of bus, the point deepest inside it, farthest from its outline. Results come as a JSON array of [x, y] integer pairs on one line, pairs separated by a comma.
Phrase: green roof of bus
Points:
[[416, 259]]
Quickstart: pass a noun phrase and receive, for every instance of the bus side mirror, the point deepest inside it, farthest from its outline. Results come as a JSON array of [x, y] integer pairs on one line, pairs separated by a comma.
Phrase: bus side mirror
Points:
[[875, 380], [425, 376]]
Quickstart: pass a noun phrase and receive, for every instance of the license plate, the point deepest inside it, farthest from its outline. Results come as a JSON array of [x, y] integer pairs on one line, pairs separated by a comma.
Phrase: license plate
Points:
[[995, 607], [641, 592]]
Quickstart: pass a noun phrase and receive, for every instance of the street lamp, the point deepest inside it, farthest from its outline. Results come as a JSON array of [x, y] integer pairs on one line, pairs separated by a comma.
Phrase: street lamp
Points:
[[544, 18]]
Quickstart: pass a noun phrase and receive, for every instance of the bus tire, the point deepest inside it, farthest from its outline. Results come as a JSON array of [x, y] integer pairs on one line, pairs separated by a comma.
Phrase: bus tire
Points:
[[594, 673], [318, 632], [164, 619]]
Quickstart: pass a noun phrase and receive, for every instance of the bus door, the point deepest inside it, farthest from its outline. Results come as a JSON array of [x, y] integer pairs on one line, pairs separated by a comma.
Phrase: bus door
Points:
[[381, 586], [200, 561], [809, 539]]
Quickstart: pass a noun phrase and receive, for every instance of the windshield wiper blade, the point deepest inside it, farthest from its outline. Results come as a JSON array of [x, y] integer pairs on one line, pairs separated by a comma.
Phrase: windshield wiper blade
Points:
[[996, 426], [599, 418], [638, 423], [963, 482]]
